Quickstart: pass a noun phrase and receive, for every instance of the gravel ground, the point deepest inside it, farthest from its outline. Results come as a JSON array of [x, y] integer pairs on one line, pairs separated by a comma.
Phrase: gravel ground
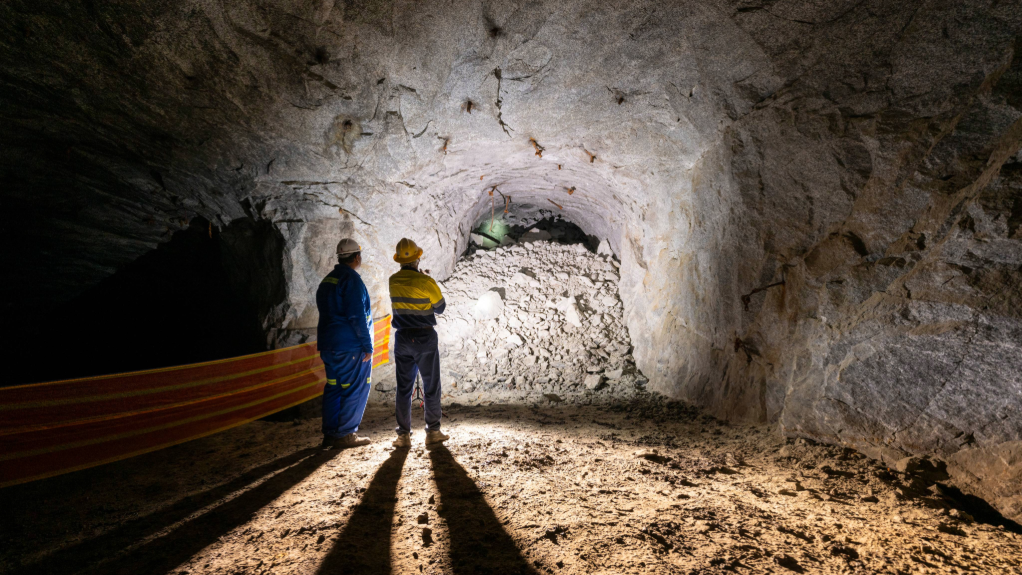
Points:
[[643, 486]]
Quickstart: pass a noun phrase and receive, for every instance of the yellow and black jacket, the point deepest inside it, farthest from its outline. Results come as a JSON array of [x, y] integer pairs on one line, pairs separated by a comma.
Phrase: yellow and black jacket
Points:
[[415, 298]]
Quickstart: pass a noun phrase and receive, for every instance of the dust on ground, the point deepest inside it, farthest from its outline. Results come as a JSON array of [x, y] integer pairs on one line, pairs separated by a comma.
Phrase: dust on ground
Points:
[[641, 487]]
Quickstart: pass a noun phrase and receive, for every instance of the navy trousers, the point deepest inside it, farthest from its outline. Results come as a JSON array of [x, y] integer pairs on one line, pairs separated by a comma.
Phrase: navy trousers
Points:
[[346, 392], [417, 352]]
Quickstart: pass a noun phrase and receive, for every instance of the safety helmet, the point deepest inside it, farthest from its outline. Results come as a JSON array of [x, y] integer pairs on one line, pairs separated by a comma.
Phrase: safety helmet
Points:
[[348, 246], [407, 251]]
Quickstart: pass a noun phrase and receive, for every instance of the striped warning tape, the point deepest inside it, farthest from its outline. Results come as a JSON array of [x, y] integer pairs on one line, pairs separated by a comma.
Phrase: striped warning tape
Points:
[[47, 429]]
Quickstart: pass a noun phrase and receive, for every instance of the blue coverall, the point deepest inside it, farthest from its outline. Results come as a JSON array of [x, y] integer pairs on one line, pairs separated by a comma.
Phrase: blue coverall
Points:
[[345, 333]]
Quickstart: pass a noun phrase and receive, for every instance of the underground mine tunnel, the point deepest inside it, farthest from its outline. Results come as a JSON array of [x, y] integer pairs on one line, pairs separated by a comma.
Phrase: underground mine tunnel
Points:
[[731, 285]]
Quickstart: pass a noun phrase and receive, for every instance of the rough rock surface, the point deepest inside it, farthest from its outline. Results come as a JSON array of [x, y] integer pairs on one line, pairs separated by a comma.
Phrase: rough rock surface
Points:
[[815, 204], [558, 335], [892, 324]]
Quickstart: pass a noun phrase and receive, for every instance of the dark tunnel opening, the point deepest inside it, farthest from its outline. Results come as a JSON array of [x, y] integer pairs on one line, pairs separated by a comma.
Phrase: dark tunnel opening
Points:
[[525, 222], [200, 296]]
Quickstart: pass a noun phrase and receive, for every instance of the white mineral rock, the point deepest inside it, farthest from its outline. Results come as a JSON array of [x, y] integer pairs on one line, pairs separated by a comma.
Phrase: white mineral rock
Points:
[[489, 306]]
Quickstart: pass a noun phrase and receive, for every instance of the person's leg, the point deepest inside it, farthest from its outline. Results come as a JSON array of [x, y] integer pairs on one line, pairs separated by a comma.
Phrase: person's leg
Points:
[[427, 357], [355, 396], [333, 363], [404, 372]]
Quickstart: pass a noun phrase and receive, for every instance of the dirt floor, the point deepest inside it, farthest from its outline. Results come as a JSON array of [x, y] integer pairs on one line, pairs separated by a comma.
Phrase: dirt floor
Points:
[[644, 487]]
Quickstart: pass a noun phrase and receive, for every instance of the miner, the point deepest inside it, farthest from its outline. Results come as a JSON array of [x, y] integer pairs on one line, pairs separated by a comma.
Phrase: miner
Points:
[[346, 346], [415, 298]]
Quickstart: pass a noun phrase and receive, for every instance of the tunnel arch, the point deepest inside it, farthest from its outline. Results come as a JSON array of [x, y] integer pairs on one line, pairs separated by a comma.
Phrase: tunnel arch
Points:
[[777, 183]]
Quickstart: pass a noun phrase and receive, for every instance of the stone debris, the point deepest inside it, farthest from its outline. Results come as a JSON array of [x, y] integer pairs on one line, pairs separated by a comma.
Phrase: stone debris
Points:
[[489, 306], [539, 320]]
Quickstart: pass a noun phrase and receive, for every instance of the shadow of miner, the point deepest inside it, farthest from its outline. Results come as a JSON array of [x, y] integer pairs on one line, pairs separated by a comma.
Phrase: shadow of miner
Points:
[[363, 547], [479, 544], [187, 527]]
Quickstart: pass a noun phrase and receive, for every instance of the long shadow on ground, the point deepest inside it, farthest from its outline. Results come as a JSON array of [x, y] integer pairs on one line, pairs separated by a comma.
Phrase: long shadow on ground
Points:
[[188, 536], [364, 545], [479, 543]]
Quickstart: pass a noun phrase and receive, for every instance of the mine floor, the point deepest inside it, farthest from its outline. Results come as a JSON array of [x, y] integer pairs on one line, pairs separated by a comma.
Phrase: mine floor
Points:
[[644, 487]]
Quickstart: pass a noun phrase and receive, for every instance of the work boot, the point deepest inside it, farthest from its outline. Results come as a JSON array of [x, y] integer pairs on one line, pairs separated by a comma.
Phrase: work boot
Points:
[[403, 441], [350, 440], [436, 437]]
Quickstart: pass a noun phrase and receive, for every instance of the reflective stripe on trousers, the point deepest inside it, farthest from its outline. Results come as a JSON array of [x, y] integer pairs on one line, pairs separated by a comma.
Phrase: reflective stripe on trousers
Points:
[[344, 400]]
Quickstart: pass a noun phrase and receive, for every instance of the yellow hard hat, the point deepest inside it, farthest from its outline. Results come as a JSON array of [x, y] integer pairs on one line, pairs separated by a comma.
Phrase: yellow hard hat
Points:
[[407, 251]]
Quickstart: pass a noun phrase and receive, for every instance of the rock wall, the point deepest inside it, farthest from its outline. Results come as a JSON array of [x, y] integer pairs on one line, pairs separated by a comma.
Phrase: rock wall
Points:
[[882, 197], [815, 205]]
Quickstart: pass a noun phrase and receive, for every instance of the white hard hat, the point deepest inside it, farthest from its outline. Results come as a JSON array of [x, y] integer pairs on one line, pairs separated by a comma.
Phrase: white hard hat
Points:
[[348, 246]]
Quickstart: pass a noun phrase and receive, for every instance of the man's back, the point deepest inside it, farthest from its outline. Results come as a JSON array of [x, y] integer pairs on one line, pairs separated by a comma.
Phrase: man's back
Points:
[[345, 315], [415, 298]]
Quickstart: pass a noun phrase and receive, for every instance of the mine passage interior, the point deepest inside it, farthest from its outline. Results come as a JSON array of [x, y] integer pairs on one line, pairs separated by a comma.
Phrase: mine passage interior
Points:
[[784, 335]]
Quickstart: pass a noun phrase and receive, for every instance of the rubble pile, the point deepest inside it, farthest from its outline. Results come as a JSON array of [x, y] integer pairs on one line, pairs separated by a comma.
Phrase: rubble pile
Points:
[[536, 321]]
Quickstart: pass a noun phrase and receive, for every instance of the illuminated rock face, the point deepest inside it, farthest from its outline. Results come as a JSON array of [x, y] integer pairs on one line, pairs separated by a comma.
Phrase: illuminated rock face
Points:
[[535, 322], [865, 154]]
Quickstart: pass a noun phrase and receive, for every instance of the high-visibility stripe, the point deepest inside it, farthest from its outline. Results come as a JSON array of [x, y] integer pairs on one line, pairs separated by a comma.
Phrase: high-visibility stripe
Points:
[[403, 311], [59, 418], [31, 412], [345, 385], [410, 300], [150, 380], [425, 306], [412, 284], [40, 467], [329, 280], [17, 446], [382, 327], [51, 428], [66, 400]]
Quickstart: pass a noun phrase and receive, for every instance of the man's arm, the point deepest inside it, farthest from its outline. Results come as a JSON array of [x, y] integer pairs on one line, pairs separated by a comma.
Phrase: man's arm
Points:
[[436, 298], [357, 314]]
